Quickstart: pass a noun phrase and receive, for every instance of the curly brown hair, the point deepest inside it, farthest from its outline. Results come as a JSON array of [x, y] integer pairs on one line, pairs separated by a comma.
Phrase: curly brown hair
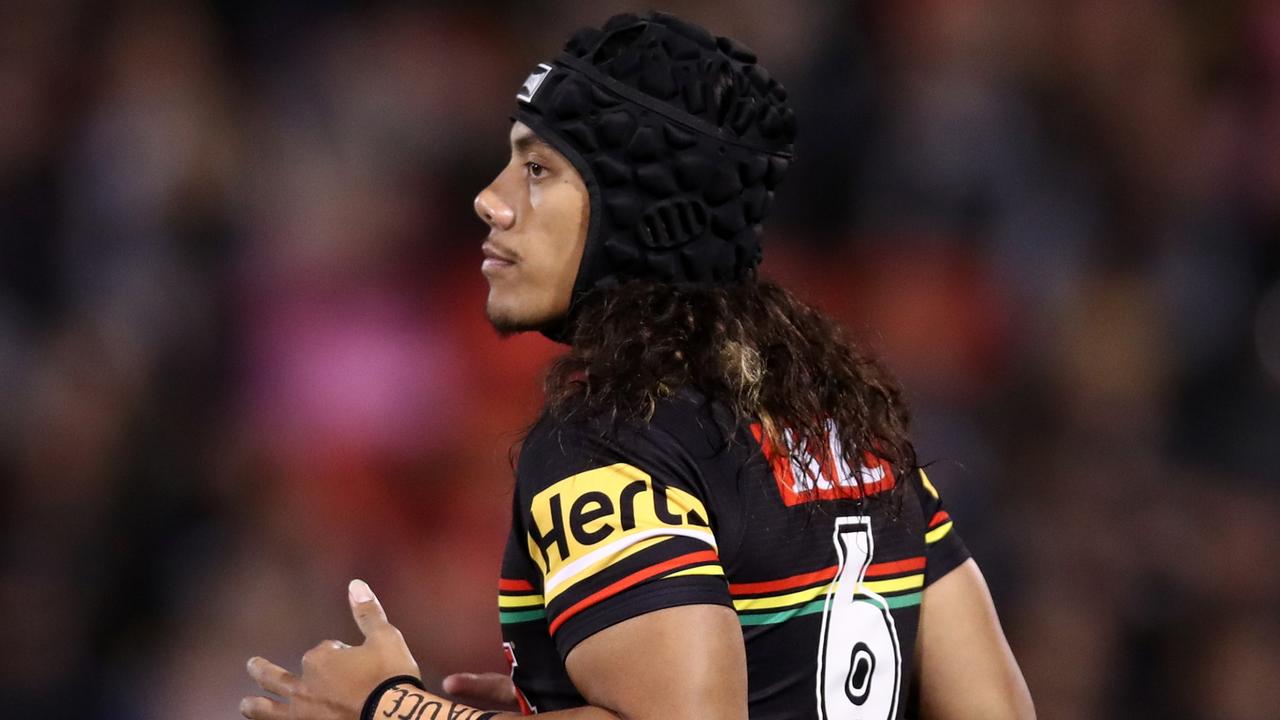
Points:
[[751, 346]]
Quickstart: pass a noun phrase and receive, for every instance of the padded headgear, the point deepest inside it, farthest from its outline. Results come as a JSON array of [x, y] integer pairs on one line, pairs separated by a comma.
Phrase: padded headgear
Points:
[[680, 137]]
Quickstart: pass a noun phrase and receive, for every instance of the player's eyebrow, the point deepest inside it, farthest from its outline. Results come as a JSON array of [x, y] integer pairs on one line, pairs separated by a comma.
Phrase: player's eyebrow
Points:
[[525, 142]]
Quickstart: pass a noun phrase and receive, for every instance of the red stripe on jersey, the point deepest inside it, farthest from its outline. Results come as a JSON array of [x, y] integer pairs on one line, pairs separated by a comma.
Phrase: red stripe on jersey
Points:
[[892, 567], [794, 581], [896, 566], [940, 517], [635, 578], [514, 585]]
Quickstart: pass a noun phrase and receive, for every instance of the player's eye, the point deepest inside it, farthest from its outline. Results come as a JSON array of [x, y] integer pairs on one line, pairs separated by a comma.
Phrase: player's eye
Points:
[[535, 170]]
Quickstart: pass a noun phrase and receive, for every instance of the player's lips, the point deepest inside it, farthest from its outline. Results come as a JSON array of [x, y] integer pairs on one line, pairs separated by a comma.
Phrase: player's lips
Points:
[[495, 258]]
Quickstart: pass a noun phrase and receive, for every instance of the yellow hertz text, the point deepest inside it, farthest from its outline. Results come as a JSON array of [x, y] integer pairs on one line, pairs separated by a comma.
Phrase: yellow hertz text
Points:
[[588, 521]]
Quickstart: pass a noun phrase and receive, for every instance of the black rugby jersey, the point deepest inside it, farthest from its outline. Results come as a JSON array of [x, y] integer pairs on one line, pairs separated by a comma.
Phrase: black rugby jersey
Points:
[[613, 522]]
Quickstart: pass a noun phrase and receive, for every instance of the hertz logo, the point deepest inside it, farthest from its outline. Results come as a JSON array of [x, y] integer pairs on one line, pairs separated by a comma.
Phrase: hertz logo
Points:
[[587, 521]]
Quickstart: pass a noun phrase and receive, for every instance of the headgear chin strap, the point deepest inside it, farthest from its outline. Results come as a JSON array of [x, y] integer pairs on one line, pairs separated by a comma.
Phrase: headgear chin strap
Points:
[[680, 138]]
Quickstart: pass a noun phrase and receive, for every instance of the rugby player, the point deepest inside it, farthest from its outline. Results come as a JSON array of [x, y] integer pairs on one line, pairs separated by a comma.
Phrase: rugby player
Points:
[[719, 513]]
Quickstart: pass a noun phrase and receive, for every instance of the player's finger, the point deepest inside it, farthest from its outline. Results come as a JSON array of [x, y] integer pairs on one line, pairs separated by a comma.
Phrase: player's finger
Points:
[[272, 677], [261, 708], [365, 608], [488, 689]]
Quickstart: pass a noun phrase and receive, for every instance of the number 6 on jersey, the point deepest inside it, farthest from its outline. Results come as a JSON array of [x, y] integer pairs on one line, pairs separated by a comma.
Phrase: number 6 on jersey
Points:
[[859, 662]]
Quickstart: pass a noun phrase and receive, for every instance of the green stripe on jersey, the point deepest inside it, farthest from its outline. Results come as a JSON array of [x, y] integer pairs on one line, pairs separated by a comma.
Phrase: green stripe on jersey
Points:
[[816, 606], [901, 601], [510, 618], [783, 616]]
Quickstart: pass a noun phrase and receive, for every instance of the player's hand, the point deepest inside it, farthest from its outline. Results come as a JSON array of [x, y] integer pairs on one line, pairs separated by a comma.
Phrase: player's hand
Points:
[[336, 677], [486, 690]]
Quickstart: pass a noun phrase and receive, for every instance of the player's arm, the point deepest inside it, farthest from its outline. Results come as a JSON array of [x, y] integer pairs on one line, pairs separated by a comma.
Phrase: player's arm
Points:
[[680, 662], [967, 671], [638, 607]]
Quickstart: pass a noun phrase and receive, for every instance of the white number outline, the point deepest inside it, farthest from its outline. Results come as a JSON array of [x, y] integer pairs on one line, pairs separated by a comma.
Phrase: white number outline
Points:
[[860, 526]]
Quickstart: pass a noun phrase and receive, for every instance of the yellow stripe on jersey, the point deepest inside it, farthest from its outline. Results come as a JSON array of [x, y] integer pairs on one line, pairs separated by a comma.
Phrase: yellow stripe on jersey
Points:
[[605, 557], [564, 582], [924, 479], [800, 597], [518, 601], [937, 533], [704, 570], [910, 582], [784, 600]]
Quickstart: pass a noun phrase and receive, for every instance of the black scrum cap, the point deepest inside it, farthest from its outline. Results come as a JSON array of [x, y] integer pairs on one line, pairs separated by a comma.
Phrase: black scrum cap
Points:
[[680, 137]]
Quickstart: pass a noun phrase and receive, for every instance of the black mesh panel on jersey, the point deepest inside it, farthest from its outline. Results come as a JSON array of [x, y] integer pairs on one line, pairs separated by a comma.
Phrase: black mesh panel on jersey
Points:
[[680, 137]]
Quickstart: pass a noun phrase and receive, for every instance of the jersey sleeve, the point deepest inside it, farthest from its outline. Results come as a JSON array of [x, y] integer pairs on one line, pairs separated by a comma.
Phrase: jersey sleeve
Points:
[[616, 524], [944, 550]]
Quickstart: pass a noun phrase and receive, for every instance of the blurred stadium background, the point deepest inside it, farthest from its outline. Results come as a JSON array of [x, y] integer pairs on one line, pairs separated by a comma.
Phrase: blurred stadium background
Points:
[[243, 357]]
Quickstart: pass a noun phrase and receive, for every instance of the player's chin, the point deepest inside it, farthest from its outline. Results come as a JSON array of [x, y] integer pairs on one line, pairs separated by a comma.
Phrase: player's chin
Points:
[[510, 317]]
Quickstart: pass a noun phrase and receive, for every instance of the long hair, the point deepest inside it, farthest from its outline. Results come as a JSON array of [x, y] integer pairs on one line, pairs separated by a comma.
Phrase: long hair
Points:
[[752, 347]]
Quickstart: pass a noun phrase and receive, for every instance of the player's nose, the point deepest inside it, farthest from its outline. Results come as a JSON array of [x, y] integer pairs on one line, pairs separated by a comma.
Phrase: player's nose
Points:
[[491, 209]]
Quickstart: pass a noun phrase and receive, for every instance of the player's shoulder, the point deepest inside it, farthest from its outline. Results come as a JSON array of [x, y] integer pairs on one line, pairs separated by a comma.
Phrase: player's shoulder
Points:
[[702, 426]]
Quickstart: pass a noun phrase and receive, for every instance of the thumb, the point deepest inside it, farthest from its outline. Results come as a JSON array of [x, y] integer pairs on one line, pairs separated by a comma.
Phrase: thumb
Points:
[[365, 608]]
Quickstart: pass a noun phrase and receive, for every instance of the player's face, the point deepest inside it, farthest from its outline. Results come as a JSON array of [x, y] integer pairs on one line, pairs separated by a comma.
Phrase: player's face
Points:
[[537, 210]]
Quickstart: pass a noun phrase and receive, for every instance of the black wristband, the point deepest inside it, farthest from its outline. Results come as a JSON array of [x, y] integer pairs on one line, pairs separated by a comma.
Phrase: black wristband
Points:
[[371, 702]]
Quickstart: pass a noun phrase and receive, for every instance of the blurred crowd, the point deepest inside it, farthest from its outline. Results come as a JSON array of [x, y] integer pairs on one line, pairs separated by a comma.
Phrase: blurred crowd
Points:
[[243, 356]]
